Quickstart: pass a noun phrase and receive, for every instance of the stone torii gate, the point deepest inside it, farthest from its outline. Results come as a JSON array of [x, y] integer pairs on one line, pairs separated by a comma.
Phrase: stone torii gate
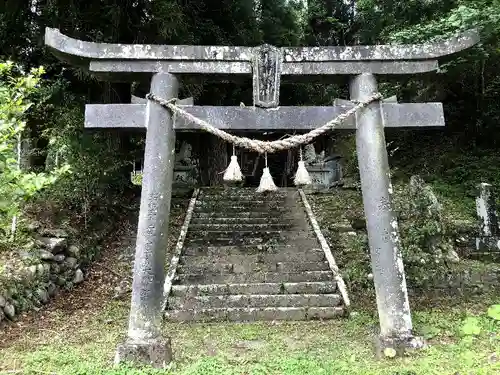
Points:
[[165, 65]]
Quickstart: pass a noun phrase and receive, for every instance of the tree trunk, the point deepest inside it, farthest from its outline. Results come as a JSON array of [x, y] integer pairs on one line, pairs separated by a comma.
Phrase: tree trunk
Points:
[[213, 159]]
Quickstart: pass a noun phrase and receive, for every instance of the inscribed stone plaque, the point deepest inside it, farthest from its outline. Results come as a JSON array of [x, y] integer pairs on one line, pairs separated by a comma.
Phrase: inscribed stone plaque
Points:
[[266, 76]]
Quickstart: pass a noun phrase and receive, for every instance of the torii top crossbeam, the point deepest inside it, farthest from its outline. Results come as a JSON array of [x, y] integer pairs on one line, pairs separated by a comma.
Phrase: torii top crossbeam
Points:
[[182, 59], [268, 65]]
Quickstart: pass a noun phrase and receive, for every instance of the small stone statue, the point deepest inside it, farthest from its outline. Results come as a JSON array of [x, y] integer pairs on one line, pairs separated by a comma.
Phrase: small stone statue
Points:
[[185, 169], [184, 156], [311, 157]]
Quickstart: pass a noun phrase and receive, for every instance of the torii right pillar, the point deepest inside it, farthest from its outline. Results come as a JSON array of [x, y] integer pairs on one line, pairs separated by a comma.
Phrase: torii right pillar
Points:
[[396, 334], [382, 226]]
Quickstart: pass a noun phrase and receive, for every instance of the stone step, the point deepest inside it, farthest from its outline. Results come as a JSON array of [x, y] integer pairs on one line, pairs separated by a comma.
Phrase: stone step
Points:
[[271, 233], [222, 268], [250, 240], [240, 238], [234, 209], [245, 200], [254, 300], [274, 253], [236, 190], [239, 214], [250, 314], [225, 201], [245, 192], [215, 241], [240, 220], [242, 197], [256, 277], [240, 227], [250, 259], [228, 232], [324, 287]]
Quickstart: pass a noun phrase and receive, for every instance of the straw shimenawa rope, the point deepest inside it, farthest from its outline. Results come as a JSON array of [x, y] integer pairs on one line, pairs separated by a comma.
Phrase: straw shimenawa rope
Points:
[[264, 146]]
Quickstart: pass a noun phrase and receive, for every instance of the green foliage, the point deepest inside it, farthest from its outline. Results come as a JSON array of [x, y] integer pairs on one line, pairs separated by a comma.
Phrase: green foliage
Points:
[[425, 237], [468, 83], [330, 23], [429, 332], [425, 232], [136, 178], [482, 15], [95, 160], [100, 163], [17, 185], [471, 326], [359, 267], [494, 312], [345, 145]]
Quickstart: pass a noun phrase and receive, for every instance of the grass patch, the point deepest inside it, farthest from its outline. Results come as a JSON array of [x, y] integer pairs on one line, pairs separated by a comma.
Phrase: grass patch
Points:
[[335, 347]]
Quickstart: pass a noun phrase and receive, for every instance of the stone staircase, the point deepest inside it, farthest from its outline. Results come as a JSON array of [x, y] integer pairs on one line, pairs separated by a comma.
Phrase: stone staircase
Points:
[[249, 257]]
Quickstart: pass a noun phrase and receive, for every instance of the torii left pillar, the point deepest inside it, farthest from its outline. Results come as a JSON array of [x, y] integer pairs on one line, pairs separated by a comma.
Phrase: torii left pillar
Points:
[[145, 343]]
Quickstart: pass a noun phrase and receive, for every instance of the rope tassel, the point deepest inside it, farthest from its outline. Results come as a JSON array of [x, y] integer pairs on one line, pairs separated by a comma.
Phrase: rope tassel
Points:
[[266, 181], [302, 175], [233, 171]]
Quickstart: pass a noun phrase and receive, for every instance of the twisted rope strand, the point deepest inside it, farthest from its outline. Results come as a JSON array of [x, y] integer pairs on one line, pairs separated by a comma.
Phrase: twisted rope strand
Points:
[[264, 146]]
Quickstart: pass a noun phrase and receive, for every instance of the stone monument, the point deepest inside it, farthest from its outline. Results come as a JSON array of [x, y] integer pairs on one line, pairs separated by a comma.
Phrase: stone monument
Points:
[[325, 172], [165, 65], [186, 168], [488, 240]]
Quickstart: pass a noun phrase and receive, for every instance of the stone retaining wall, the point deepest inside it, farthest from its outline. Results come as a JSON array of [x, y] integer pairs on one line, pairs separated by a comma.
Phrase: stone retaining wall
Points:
[[31, 277], [466, 281], [471, 279]]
